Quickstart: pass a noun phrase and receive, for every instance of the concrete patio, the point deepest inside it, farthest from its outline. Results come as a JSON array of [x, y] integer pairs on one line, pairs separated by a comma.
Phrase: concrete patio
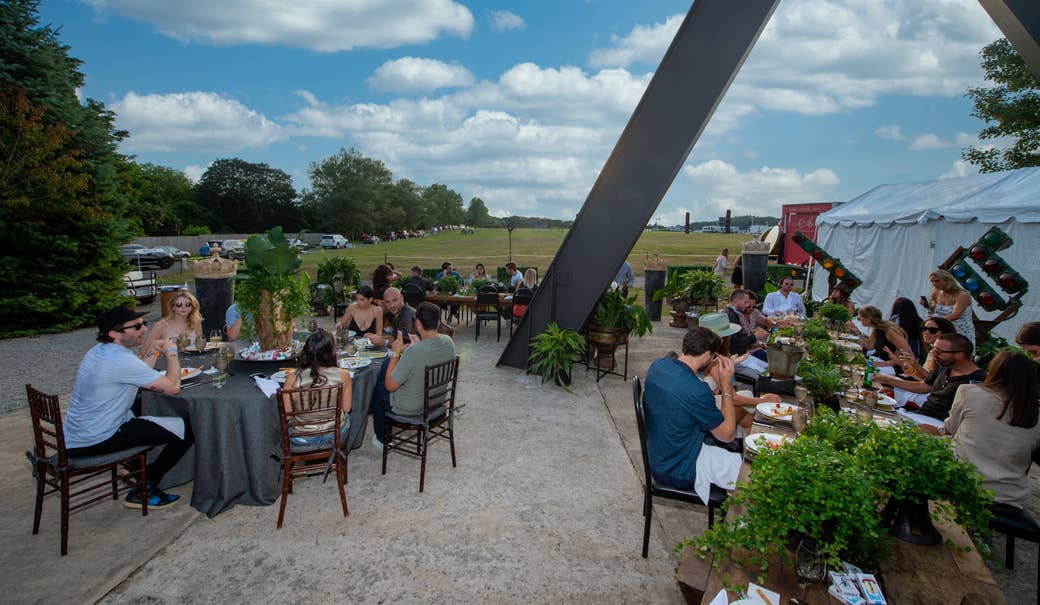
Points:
[[545, 506]]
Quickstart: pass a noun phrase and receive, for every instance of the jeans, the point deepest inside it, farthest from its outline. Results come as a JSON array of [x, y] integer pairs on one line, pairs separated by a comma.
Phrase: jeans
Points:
[[137, 432]]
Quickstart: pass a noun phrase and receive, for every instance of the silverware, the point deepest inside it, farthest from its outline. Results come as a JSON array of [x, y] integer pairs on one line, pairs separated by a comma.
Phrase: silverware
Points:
[[195, 384], [765, 424]]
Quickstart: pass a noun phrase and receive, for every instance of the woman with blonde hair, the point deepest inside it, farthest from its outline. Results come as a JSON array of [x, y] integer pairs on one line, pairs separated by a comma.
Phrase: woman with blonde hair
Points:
[[530, 279], [885, 336], [180, 317], [948, 299]]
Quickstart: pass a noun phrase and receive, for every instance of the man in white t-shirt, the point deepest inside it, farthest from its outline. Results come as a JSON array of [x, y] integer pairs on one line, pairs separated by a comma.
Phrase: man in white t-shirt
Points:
[[99, 420], [783, 301]]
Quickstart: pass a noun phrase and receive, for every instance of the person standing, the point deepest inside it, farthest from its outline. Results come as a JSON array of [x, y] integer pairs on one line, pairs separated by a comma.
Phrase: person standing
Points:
[[100, 421], [948, 299], [737, 277], [721, 263]]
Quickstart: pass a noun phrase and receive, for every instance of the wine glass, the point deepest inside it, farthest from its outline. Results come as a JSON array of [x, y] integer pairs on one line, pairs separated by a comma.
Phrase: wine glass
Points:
[[864, 412], [800, 393], [809, 562], [799, 419], [215, 336]]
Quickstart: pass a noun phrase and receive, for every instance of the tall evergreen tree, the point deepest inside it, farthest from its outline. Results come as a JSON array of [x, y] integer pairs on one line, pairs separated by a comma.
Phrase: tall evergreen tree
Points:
[[62, 216]]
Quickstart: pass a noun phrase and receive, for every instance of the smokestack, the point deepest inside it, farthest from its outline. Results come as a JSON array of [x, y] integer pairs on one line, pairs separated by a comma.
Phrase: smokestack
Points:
[[687, 223], [728, 212]]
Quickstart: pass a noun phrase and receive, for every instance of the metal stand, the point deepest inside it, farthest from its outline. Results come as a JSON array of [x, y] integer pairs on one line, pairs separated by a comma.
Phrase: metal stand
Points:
[[589, 363]]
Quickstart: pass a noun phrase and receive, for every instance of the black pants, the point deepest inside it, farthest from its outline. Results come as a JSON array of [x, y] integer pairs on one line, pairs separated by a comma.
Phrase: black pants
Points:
[[138, 432]]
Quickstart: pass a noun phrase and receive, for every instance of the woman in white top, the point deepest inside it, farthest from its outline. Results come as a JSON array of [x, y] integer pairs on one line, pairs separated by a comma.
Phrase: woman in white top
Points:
[[994, 426], [953, 302], [722, 263]]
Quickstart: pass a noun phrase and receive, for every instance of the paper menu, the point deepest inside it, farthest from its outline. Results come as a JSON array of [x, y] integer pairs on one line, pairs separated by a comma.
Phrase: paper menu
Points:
[[763, 596]]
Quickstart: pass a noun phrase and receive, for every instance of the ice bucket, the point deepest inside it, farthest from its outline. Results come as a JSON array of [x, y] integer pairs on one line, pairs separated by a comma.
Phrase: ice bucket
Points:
[[783, 360]]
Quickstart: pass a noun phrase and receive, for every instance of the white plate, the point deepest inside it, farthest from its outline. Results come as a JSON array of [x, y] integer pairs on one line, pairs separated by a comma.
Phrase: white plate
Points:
[[354, 363], [279, 376], [758, 441], [363, 342], [851, 337], [886, 402], [188, 373], [770, 410]]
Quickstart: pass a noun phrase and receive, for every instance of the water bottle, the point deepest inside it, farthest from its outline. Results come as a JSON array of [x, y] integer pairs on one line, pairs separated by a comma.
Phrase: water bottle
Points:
[[773, 334], [868, 375]]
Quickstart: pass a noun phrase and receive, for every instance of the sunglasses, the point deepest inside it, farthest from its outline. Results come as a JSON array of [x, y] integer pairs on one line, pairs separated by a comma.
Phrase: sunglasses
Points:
[[931, 330], [182, 305], [948, 352], [136, 326]]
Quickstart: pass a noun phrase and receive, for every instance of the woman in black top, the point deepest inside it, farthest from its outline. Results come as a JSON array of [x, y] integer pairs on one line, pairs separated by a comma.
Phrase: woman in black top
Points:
[[904, 314]]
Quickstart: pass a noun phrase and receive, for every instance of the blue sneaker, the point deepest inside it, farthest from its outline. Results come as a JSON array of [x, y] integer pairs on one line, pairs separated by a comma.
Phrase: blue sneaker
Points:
[[156, 498]]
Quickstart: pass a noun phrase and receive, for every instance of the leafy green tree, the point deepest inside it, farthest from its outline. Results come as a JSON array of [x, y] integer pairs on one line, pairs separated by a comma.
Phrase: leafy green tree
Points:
[[62, 216], [246, 197], [443, 206], [349, 193], [162, 199], [477, 214], [1012, 109]]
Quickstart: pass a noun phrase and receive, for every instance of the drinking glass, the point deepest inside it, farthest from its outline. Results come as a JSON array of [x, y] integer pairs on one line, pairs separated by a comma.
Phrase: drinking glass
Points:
[[182, 341], [221, 362], [220, 380], [863, 411], [800, 393], [799, 419], [809, 562], [215, 336], [870, 397]]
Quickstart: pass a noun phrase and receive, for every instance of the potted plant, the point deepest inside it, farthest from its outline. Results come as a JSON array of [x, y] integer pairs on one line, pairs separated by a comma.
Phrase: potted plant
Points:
[[448, 285], [479, 283], [703, 288], [613, 319], [334, 280], [824, 382], [553, 353], [813, 329], [273, 290], [837, 315], [829, 486]]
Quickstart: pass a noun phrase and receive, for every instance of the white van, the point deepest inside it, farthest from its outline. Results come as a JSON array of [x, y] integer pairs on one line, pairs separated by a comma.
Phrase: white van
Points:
[[333, 240]]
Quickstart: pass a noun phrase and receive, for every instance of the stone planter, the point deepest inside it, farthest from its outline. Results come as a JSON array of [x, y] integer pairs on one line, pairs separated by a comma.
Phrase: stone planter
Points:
[[605, 342]]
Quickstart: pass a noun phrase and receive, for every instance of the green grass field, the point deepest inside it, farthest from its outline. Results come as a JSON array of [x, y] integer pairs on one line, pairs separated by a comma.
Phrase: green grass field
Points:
[[531, 247]]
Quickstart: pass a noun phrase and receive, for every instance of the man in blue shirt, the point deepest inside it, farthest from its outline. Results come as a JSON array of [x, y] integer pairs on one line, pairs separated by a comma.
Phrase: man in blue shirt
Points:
[[446, 270], [681, 410], [99, 420]]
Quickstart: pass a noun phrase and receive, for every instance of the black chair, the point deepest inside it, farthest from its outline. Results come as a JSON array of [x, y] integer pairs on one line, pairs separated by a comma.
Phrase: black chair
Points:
[[1015, 523], [413, 295], [309, 411], [523, 296], [436, 420], [653, 488], [489, 308], [54, 468]]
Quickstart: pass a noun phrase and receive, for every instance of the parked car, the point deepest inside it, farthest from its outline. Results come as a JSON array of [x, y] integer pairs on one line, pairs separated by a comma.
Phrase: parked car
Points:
[[333, 240], [140, 285], [370, 239], [298, 244], [175, 251], [144, 257], [234, 249]]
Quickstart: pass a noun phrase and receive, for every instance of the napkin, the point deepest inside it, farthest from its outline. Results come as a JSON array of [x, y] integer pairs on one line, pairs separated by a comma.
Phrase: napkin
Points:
[[212, 370], [266, 385], [720, 599], [920, 418]]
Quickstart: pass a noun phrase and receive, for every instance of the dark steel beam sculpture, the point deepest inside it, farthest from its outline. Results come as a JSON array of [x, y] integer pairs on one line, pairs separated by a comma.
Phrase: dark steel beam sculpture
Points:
[[1020, 22], [700, 64]]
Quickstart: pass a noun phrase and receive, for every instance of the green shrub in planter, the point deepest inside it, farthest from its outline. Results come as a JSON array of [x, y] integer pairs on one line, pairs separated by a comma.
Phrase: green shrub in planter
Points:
[[553, 353], [812, 329], [448, 285], [836, 313]]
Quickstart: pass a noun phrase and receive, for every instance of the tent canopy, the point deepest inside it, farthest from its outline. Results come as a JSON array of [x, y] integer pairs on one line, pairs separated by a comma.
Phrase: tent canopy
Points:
[[893, 236], [994, 198]]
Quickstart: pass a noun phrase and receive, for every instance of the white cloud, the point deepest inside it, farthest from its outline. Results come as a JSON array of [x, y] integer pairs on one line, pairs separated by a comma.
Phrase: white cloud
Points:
[[194, 172], [960, 168], [927, 142], [200, 121], [718, 186], [827, 56], [321, 25], [415, 74], [891, 132], [505, 20]]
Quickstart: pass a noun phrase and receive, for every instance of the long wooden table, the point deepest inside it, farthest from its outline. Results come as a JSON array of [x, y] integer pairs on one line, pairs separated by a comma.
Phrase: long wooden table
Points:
[[913, 574], [469, 301]]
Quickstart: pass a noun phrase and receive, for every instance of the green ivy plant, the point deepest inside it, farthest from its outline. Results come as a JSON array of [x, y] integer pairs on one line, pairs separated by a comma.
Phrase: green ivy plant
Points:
[[479, 283], [272, 290], [326, 274], [553, 353], [448, 284], [812, 329], [830, 485]]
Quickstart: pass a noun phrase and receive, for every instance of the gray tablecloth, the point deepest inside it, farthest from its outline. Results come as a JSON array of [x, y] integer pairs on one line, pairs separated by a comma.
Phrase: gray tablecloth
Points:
[[236, 437]]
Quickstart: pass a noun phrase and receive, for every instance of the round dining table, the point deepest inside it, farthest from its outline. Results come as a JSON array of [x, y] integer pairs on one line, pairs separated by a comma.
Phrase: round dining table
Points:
[[236, 428]]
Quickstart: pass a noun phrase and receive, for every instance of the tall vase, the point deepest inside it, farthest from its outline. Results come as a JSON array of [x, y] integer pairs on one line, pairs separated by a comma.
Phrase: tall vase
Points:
[[911, 522]]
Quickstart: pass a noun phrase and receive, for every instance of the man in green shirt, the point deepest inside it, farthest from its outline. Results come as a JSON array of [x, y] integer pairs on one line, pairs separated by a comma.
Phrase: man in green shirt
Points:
[[405, 375]]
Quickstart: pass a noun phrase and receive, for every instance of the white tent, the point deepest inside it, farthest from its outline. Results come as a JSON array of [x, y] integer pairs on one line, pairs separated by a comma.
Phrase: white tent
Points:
[[893, 236]]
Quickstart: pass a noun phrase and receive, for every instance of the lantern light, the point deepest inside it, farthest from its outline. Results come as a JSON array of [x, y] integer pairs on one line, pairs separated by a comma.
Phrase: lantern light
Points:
[[972, 284], [978, 252]]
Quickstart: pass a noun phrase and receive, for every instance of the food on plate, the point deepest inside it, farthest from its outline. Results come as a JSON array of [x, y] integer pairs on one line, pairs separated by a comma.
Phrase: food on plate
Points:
[[780, 409]]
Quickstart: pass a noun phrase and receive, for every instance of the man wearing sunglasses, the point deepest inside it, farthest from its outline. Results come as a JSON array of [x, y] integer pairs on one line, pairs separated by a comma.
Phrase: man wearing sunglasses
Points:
[[954, 367], [99, 420]]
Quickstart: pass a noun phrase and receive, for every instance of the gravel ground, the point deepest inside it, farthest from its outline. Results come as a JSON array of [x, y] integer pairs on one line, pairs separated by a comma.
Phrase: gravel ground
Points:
[[47, 362]]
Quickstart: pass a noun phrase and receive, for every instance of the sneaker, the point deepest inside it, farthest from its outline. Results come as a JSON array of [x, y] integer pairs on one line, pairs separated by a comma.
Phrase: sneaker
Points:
[[156, 498], [376, 442]]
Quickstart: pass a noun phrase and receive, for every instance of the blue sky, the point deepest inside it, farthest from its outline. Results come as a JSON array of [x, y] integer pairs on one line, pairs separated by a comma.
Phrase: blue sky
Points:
[[521, 103]]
